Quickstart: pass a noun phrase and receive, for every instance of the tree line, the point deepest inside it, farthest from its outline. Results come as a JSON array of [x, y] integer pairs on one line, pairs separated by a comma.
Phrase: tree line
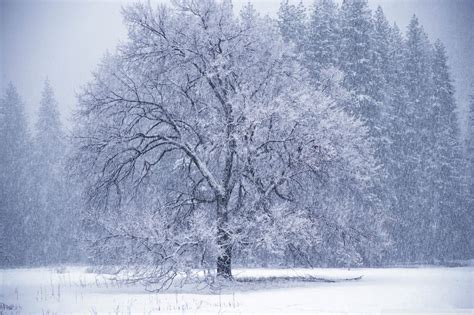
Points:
[[401, 87]]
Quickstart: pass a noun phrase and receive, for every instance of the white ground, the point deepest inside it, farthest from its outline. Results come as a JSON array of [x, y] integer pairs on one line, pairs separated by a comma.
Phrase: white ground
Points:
[[380, 291]]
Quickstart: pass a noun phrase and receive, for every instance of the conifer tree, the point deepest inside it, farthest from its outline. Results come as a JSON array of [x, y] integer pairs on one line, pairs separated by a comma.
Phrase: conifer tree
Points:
[[470, 145], [292, 22], [393, 138], [15, 195], [381, 61], [470, 152], [53, 229], [322, 38], [469, 182], [249, 15], [448, 221], [416, 202], [356, 55]]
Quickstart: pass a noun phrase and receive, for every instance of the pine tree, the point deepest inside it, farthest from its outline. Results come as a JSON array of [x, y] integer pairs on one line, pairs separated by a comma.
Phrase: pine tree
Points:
[[322, 38], [356, 55], [15, 195], [448, 222], [361, 76], [469, 180], [49, 134], [249, 15], [416, 202], [392, 134], [386, 47], [53, 229], [381, 59], [292, 22], [470, 146]]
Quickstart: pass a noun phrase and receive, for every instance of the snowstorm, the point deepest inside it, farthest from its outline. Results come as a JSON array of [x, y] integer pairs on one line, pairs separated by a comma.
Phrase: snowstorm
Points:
[[219, 156]]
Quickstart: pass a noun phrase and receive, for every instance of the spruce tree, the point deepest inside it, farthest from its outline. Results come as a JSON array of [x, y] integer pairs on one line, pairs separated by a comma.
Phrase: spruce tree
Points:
[[292, 22], [469, 181], [249, 15], [356, 54], [393, 122], [449, 220], [15, 195], [381, 59], [54, 227], [322, 38], [416, 201], [470, 146]]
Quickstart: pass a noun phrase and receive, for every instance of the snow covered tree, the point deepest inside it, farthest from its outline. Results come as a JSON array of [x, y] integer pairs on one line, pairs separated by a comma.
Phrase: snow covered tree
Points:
[[385, 96], [393, 123], [381, 46], [469, 180], [450, 217], [201, 139], [249, 15], [292, 22], [470, 145], [322, 41], [51, 227], [49, 134], [360, 60], [470, 164], [15, 195], [355, 60], [415, 200]]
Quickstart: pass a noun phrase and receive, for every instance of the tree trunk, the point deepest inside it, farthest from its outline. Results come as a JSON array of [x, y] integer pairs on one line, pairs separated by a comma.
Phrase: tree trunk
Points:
[[224, 261], [224, 241]]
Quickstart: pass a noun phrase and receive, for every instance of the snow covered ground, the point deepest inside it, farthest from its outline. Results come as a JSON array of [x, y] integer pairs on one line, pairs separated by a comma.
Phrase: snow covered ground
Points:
[[380, 291]]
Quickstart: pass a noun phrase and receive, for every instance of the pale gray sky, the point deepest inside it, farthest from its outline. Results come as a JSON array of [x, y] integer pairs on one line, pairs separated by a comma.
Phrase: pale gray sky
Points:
[[65, 40]]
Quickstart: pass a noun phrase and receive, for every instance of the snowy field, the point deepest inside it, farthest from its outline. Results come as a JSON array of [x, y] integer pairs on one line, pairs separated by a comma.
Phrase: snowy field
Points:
[[380, 291]]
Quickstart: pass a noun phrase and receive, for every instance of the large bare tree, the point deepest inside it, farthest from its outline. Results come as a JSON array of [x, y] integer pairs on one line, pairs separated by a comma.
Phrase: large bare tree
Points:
[[200, 137]]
